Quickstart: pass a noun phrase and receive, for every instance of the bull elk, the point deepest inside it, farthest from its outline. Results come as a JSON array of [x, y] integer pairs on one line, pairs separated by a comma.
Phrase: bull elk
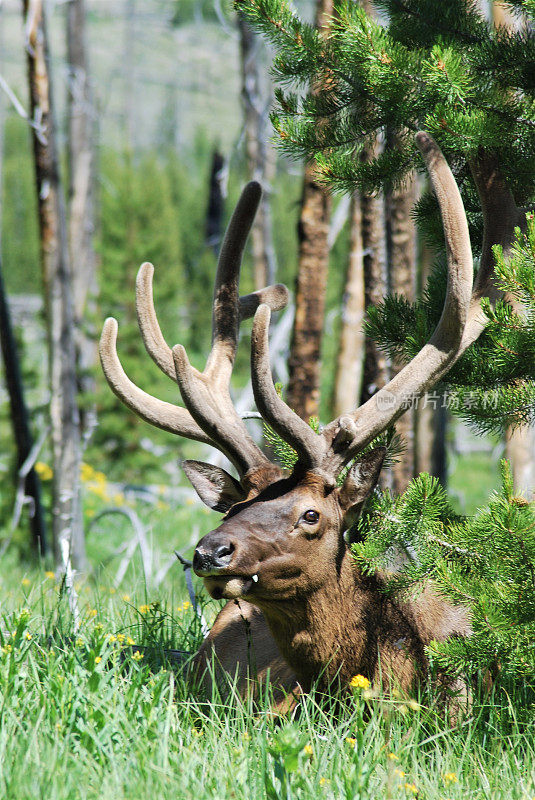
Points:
[[279, 556]]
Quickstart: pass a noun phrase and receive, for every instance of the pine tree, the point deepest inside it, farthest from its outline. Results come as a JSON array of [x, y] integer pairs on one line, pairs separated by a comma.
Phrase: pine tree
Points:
[[486, 562], [470, 85]]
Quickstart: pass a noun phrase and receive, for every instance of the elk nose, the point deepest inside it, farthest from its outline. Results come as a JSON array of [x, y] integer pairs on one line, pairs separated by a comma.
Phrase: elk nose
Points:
[[208, 559]]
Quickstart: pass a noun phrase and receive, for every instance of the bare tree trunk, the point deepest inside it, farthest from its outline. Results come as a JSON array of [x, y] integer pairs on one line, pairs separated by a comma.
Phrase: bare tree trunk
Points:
[[520, 443], [373, 241], [214, 213], [57, 279], [431, 423], [81, 210], [20, 421], [350, 360], [260, 157], [313, 227], [401, 252]]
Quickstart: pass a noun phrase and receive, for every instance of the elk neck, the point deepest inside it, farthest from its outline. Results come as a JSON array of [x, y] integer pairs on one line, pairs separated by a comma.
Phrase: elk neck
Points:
[[345, 627]]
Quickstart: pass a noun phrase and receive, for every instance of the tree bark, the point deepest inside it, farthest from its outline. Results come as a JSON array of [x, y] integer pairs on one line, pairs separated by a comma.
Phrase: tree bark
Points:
[[431, 423], [81, 209], [304, 362], [57, 285], [350, 360], [401, 253], [519, 443], [214, 212], [260, 158], [20, 421]]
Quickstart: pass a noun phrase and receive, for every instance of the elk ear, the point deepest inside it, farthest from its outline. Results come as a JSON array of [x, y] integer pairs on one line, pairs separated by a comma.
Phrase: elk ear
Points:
[[216, 488], [359, 483]]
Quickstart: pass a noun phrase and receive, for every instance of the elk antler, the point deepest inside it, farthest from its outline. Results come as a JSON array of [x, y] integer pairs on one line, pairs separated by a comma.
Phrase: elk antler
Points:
[[343, 438], [209, 415]]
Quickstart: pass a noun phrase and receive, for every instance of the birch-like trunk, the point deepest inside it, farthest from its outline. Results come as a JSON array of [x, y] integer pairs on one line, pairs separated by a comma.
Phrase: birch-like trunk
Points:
[[81, 209], [57, 286], [304, 363], [350, 358], [431, 422], [401, 253], [259, 153]]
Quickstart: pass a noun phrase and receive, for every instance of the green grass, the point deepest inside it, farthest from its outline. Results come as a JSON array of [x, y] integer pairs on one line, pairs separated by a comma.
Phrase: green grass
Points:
[[83, 716]]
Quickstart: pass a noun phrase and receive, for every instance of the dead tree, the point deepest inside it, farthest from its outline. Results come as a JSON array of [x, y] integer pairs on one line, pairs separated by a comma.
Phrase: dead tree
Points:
[[350, 358], [57, 287], [313, 227], [401, 256], [20, 422], [260, 159], [214, 212], [81, 206]]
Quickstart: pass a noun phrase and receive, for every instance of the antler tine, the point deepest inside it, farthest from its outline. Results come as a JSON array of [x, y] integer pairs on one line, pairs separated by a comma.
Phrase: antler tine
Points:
[[310, 447], [276, 297], [156, 412], [226, 315], [500, 217], [443, 348], [155, 344], [207, 394]]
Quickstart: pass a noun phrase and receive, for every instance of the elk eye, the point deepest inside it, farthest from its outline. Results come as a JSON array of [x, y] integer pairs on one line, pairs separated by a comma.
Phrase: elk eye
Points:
[[311, 517]]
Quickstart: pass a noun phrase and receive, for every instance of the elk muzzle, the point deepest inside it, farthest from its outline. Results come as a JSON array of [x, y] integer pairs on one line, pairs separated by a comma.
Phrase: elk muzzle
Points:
[[213, 560]]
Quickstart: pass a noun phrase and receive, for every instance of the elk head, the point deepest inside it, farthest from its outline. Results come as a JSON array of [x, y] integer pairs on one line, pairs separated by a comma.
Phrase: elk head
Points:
[[282, 536]]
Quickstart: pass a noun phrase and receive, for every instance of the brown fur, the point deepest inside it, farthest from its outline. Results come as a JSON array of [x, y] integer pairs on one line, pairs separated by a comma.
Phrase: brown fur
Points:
[[321, 618]]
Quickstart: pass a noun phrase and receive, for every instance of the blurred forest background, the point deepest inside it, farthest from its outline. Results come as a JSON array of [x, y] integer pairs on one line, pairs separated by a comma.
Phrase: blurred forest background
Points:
[[175, 97]]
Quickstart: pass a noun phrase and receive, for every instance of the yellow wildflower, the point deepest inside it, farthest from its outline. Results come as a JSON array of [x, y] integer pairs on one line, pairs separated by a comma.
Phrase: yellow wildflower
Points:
[[399, 773], [112, 638], [350, 741], [359, 682], [411, 787], [92, 612], [79, 642], [393, 757], [28, 636], [120, 638], [308, 750], [49, 574], [126, 598], [450, 777], [144, 609], [98, 659], [137, 656], [43, 470], [323, 781], [25, 581], [130, 641], [7, 649]]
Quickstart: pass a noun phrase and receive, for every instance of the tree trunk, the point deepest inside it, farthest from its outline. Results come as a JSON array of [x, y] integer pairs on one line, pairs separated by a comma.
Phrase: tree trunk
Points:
[[81, 211], [260, 159], [350, 360], [214, 212], [519, 443], [401, 254], [431, 423], [304, 362], [57, 280], [20, 421]]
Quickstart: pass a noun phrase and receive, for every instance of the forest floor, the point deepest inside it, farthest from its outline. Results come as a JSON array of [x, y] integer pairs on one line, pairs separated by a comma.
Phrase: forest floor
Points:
[[97, 714]]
